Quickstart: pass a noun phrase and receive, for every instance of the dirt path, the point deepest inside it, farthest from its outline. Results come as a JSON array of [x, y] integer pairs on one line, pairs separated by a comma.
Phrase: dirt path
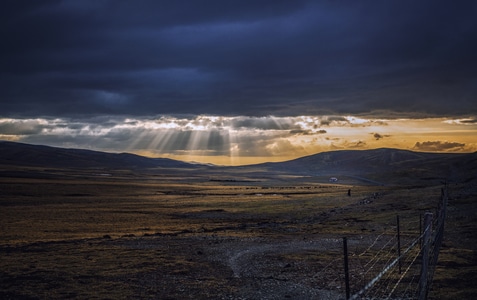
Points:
[[246, 262], [267, 270]]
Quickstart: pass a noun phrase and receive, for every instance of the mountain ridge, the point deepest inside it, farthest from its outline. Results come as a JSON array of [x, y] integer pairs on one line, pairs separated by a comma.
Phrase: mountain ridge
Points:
[[383, 164], [13, 153]]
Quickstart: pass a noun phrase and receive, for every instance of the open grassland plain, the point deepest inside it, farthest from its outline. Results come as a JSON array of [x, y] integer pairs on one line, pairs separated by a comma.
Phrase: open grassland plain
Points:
[[98, 235]]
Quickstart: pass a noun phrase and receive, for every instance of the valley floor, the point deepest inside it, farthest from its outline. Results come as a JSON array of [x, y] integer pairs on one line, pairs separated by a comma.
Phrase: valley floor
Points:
[[143, 237]]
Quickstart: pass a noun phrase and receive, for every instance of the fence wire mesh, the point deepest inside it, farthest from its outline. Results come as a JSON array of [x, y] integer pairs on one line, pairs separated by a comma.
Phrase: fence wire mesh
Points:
[[377, 271]]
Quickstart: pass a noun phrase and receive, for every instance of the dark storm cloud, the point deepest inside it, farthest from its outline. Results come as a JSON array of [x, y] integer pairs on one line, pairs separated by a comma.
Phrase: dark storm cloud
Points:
[[439, 146], [306, 132], [237, 57], [262, 123], [378, 136]]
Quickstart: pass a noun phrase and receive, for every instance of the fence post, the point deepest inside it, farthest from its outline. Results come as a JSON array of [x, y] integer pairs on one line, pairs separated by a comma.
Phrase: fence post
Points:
[[425, 256], [345, 252], [440, 227], [399, 243], [420, 230]]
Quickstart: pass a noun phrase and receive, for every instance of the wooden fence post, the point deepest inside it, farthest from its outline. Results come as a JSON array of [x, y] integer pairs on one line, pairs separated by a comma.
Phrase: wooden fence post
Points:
[[420, 230], [399, 243], [345, 252], [425, 256]]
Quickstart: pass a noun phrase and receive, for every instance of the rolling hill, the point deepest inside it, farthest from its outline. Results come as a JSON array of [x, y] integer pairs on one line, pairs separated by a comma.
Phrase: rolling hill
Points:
[[19, 154], [385, 165], [373, 166]]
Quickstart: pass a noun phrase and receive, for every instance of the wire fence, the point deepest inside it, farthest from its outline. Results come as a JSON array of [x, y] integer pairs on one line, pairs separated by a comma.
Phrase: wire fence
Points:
[[399, 263]]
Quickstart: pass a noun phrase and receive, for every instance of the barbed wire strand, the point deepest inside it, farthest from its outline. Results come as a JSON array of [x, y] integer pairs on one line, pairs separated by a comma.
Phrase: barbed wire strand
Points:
[[412, 288], [403, 274], [375, 241], [386, 269], [378, 253], [382, 257]]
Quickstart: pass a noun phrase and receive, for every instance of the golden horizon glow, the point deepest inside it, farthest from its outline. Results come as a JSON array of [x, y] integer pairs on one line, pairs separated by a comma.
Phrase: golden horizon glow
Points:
[[243, 140]]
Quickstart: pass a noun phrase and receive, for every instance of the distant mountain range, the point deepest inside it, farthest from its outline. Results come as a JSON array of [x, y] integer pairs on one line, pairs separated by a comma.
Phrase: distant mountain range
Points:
[[377, 165]]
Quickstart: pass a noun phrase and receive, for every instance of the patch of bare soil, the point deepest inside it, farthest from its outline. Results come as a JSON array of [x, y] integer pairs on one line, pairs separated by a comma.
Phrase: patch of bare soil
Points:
[[111, 240], [241, 268]]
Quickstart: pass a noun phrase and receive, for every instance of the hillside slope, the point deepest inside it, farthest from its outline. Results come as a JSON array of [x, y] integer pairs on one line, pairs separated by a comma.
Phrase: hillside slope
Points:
[[377, 166], [18, 154], [384, 165]]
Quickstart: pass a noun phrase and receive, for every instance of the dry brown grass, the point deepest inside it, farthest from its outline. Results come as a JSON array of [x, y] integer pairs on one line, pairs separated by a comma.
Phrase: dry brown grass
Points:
[[153, 237]]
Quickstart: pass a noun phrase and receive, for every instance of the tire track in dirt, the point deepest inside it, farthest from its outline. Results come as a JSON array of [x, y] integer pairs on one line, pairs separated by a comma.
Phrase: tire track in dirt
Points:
[[263, 275], [243, 262]]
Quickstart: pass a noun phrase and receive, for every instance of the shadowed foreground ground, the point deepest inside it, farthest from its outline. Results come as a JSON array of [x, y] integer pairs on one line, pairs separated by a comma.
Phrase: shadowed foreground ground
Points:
[[134, 237]]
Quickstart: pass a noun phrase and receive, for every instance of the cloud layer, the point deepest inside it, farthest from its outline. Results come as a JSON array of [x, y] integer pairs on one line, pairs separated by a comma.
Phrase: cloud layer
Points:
[[231, 58], [241, 139]]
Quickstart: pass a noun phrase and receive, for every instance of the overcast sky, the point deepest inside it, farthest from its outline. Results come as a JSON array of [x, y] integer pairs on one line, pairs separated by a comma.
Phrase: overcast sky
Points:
[[112, 60]]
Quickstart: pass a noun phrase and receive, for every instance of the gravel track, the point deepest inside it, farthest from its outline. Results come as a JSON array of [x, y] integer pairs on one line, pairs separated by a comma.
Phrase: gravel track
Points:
[[265, 274]]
